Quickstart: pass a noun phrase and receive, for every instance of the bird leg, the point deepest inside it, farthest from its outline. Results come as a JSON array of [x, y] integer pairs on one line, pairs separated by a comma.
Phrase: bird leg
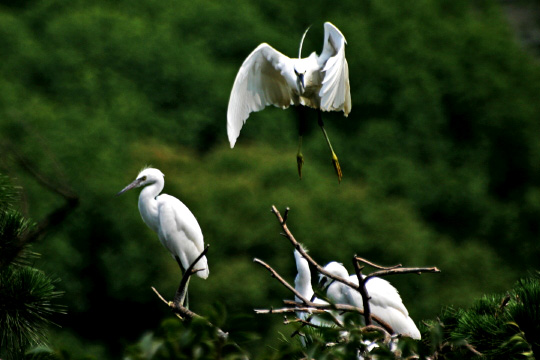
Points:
[[301, 129], [181, 296], [300, 157], [335, 160]]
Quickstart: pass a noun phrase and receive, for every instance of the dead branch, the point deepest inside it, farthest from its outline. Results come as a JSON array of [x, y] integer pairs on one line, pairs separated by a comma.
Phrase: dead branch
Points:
[[287, 233], [360, 287], [283, 282], [187, 274], [363, 292], [183, 312], [301, 321], [358, 258]]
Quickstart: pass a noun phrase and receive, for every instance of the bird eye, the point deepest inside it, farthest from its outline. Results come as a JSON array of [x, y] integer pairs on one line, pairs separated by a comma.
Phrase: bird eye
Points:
[[144, 178]]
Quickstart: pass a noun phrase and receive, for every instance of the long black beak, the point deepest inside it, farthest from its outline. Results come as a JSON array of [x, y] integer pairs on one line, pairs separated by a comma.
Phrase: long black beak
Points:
[[134, 184]]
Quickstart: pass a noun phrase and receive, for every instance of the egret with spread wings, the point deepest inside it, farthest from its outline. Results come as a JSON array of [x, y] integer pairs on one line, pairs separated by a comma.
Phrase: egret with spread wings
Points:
[[267, 77]]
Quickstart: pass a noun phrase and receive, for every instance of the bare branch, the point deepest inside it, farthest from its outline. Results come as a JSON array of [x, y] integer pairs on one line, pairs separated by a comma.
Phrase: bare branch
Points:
[[320, 269], [185, 314], [301, 321], [394, 271], [360, 287], [358, 258], [363, 292], [283, 281], [187, 274]]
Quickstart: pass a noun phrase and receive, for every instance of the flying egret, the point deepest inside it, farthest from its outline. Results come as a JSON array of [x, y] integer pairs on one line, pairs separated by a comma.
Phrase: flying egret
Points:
[[176, 226], [267, 77], [384, 299]]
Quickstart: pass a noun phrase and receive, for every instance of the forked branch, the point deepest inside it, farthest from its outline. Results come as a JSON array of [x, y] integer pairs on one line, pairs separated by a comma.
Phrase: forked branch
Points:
[[187, 274], [361, 286]]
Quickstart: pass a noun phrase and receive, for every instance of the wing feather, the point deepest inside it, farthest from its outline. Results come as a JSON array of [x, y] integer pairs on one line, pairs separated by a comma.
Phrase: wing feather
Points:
[[261, 81], [180, 233], [335, 92]]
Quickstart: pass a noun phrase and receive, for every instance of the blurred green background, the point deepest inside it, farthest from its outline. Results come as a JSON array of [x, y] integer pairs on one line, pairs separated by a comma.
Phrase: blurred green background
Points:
[[440, 154]]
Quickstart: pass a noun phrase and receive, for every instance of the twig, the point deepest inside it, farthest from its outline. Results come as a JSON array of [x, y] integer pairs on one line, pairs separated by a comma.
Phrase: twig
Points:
[[301, 321], [361, 286], [283, 282], [320, 308], [290, 237], [358, 258], [187, 274], [185, 313], [393, 271], [363, 292]]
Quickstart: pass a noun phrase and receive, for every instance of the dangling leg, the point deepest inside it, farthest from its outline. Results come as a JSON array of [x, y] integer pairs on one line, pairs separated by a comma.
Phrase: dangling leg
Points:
[[335, 160], [301, 129]]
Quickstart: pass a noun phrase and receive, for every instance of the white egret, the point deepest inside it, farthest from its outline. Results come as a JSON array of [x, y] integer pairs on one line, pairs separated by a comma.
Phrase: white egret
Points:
[[302, 284], [384, 299], [267, 77], [177, 228]]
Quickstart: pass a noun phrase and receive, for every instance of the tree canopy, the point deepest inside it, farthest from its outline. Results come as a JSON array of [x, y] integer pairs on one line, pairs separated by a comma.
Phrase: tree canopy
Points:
[[440, 153]]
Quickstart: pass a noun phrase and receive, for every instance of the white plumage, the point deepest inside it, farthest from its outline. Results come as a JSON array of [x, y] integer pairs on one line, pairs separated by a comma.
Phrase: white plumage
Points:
[[177, 228], [302, 284], [384, 301], [267, 77]]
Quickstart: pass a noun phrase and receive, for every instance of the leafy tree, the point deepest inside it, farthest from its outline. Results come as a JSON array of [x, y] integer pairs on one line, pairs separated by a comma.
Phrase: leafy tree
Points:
[[27, 294], [502, 326]]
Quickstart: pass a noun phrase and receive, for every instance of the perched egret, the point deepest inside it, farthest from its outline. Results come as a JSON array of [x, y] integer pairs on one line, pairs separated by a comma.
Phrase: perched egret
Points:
[[176, 226], [384, 299], [267, 77], [302, 284]]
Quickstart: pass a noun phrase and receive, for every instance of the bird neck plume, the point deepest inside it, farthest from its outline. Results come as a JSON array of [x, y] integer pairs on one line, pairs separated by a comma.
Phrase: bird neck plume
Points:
[[302, 42]]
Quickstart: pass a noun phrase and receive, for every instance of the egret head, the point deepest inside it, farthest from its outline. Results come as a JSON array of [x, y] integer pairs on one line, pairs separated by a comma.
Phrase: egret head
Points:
[[335, 269], [146, 177]]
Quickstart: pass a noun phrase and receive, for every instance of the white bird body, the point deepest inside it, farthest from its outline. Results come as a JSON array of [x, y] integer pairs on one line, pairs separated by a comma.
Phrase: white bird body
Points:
[[385, 302], [302, 284], [267, 77], [176, 226]]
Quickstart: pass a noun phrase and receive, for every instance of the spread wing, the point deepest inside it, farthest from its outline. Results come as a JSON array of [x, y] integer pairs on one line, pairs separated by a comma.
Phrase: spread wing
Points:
[[335, 92], [261, 81]]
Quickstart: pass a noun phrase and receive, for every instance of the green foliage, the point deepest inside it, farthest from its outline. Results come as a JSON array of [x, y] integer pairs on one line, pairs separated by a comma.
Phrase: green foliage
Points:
[[174, 340], [440, 153], [26, 293], [26, 307], [497, 327]]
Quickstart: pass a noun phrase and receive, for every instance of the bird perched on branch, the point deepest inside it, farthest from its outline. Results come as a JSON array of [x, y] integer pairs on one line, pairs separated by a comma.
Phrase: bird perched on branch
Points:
[[177, 228], [384, 299], [302, 284], [267, 77]]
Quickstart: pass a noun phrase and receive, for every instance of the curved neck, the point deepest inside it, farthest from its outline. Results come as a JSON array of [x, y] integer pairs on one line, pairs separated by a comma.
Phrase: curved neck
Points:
[[148, 204], [302, 282]]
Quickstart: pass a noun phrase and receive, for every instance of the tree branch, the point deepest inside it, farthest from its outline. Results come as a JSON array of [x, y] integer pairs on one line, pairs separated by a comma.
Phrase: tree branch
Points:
[[360, 287], [283, 282], [363, 292], [187, 274]]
